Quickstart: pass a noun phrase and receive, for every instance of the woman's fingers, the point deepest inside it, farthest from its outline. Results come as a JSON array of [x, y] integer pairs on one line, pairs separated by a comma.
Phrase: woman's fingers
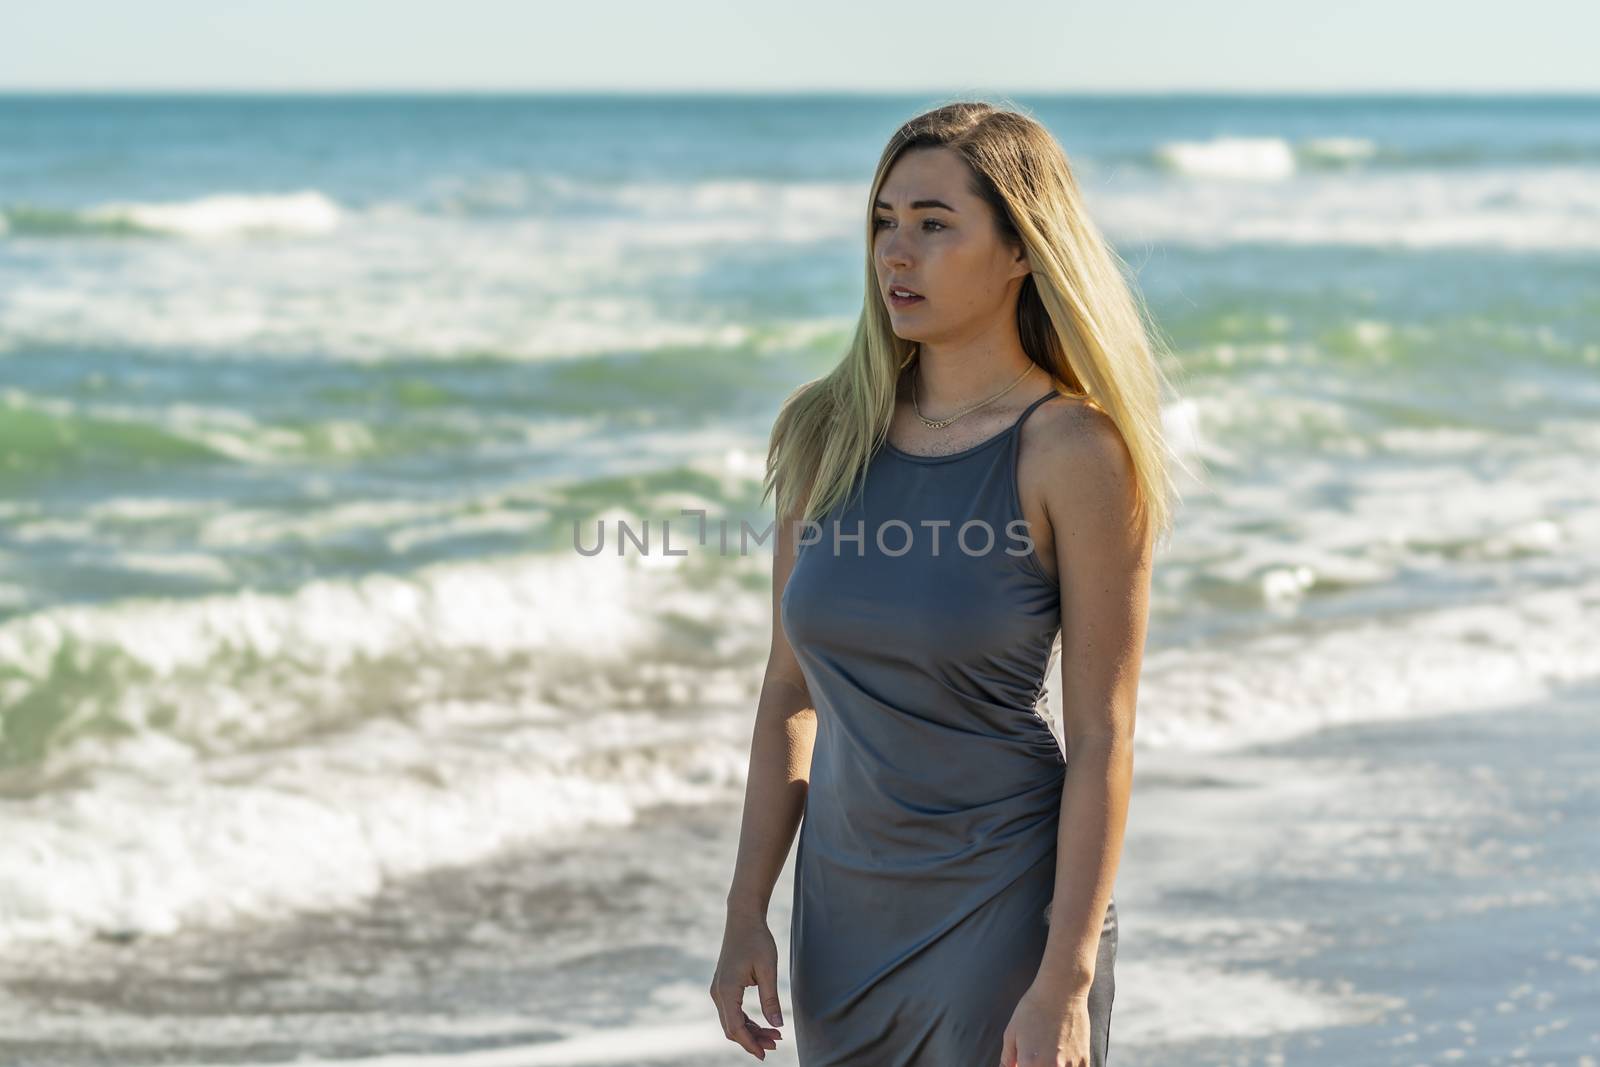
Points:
[[739, 1027], [767, 986], [735, 1024], [766, 1035]]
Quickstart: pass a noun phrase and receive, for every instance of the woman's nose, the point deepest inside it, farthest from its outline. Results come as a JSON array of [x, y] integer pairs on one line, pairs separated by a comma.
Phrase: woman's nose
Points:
[[890, 253]]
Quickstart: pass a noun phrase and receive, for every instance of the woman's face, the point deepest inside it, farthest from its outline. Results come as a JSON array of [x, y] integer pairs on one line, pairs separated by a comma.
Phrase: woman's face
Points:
[[933, 237]]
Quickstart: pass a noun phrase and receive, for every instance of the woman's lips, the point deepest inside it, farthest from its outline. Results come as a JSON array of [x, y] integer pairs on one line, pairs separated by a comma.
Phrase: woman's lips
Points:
[[904, 301]]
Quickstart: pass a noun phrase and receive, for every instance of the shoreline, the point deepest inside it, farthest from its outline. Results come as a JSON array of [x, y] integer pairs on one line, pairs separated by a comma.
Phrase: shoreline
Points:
[[1402, 892]]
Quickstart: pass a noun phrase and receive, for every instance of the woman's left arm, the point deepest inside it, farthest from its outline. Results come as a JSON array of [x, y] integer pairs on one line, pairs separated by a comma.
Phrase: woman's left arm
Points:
[[1103, 560]]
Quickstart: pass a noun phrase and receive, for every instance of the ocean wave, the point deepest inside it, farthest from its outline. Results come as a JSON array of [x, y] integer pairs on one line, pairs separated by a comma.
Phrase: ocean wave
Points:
[[131, 852], [1281, 158], [1543, 209], [1262, 158], [397, 722], [42, 435], [221, 215], [393, 287], [1250, 158], [1226, 695], [228, 671], [425, 763]]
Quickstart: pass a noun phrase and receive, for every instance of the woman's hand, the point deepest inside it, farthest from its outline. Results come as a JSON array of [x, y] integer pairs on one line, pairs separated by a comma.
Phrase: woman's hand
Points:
[[1047, 1029], [749, 958]]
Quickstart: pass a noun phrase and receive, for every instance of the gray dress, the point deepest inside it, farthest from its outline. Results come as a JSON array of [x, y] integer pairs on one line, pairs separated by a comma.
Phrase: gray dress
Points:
[[926, 859]]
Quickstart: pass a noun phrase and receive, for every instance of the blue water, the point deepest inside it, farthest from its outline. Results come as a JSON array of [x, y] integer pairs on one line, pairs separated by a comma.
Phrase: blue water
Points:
[[301, 397]]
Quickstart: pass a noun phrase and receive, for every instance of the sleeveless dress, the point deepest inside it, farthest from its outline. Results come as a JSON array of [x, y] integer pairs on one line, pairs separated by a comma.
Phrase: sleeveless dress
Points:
[[927, 853]]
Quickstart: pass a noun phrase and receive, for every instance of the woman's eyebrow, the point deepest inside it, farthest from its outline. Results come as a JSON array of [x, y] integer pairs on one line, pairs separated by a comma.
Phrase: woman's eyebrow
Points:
[[916, 204]]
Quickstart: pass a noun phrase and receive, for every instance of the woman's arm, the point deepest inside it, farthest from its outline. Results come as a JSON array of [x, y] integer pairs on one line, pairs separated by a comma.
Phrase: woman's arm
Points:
[[780, 755], [774, 802], [1103, 560]]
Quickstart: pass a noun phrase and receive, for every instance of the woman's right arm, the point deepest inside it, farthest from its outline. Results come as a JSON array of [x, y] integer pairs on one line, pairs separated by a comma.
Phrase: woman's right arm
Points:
[[774, 802]]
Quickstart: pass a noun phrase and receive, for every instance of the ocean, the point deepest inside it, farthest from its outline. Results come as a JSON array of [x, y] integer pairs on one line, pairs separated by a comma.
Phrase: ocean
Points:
[[319, 739]]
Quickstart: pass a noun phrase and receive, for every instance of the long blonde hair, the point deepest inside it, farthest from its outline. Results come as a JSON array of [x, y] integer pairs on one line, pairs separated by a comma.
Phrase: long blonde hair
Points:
[[1077, 316]]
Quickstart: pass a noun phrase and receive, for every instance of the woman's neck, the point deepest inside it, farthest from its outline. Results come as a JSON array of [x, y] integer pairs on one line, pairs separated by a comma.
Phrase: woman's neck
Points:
[[944, 385]]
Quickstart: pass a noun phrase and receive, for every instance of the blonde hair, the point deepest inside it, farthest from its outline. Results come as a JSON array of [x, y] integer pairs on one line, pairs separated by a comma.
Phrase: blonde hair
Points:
[[1078, 317]]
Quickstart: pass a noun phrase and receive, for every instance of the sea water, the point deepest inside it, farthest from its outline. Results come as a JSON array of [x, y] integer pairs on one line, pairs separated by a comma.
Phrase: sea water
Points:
[[318, 735]]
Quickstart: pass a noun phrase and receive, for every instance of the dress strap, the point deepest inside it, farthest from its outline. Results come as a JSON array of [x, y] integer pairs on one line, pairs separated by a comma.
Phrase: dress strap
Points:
[[1029, 409], [1015, 433]]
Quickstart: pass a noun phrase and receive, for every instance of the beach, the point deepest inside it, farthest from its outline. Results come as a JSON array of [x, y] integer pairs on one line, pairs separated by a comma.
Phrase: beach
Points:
[[1413, 893], [320, 739], [1420, 892]]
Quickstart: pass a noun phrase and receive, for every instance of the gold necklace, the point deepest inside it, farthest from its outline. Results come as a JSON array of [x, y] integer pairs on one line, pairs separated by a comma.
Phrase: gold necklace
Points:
[[939, 424]]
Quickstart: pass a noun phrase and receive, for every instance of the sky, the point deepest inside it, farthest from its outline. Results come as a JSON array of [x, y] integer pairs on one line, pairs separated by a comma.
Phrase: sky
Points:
[[698, 45]]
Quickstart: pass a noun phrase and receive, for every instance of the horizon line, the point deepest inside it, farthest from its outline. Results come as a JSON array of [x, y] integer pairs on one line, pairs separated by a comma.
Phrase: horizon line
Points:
[[468, 90]]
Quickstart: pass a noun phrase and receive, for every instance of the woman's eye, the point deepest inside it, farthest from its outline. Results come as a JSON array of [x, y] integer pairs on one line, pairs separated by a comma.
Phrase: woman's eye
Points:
[[880, 220]]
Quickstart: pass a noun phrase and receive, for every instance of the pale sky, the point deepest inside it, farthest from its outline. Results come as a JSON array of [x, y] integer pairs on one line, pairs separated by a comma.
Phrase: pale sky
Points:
[[922, 46]]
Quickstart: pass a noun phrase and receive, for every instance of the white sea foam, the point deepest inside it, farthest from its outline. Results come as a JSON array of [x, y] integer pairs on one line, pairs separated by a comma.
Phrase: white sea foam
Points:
[[192, 821], [1286, 684], [395, 283], [281, 752], [1268, 159], [1543, 209], [227, 214], [257, 835], [1250, 158], [399, 286]]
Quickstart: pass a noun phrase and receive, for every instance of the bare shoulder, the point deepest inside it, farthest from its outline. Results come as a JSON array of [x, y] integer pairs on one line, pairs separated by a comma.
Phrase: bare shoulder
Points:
[[1082, 441], [1075, 476], [1076, 451]]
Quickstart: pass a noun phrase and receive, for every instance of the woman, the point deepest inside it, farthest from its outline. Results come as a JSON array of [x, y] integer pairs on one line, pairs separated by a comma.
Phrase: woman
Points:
[[953, 882]]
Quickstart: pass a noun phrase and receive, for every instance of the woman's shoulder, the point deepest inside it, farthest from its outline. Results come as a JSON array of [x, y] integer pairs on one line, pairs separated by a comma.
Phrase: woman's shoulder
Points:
[[1070, 446], [1071, 428]]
